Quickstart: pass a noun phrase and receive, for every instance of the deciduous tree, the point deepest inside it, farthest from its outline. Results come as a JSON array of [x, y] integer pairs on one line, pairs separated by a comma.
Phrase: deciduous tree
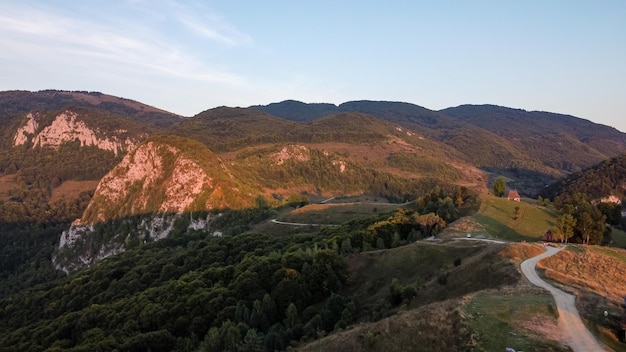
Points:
[[564, 228], [499, 187]]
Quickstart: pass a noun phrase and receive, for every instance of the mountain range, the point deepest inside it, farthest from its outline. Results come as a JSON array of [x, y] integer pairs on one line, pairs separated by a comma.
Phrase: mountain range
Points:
[[85, 176], [467, 145]]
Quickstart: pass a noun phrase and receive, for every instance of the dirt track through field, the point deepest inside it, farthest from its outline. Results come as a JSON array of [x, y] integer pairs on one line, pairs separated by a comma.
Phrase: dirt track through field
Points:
[[573, 332]]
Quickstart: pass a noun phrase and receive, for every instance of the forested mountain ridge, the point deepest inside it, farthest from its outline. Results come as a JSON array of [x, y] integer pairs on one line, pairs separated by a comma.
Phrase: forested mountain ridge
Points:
[[387, 138], [491, 137], [560, 141], [604, 180], [15, 103], [40, 150]]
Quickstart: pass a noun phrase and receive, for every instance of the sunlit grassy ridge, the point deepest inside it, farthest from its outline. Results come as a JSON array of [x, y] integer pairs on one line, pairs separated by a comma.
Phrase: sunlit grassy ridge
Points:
[[498, 217], [596, 276]]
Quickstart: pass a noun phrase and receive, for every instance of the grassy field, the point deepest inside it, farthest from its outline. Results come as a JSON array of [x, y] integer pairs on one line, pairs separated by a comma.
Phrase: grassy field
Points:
[[434, 327], [431, 321], [523, 319], [325, 214], [338, 213], [420, 265], [498, 217]]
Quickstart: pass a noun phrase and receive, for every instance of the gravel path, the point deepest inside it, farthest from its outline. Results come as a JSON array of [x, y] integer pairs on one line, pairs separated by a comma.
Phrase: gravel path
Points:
[[573, 332]]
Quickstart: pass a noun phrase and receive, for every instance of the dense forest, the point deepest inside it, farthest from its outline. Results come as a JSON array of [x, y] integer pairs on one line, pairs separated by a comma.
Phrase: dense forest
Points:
[[607, 178], [195, 291]]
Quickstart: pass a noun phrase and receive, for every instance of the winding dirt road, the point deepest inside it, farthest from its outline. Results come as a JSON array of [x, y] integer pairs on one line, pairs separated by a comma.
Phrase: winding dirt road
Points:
[[573, 332]]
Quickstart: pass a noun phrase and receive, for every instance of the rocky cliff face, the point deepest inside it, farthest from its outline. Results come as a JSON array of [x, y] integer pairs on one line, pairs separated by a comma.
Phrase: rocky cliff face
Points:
[[85, 244], [68, 127], [162, 179]]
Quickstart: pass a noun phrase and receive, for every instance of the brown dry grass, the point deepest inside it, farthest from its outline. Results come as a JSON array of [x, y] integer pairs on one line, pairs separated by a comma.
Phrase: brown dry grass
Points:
[[518, 252], [521, 316], [71, 189], [596, 277], [596, 269], [541, 327], [463, 226], [435, 327]]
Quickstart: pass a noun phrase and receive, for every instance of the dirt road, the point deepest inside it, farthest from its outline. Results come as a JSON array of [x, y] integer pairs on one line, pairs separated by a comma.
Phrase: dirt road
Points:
[[573, 332]]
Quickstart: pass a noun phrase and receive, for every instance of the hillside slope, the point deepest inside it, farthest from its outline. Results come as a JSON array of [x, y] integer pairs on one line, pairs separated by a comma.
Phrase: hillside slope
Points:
[[42, 149], [603, 180], [166, 174], [536, 146], [13, 103], [559, 141]]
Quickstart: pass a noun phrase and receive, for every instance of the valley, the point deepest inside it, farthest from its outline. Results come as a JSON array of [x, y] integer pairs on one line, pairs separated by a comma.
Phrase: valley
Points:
[[303, 227]]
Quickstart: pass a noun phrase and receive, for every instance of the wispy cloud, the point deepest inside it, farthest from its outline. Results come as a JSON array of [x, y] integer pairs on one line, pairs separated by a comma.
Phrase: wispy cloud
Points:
[[40, 35], [210, 26]]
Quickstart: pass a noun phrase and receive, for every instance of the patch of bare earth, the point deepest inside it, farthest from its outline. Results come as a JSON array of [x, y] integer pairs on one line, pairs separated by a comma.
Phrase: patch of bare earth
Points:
[[540, 328], [72, 189], [462, 227]]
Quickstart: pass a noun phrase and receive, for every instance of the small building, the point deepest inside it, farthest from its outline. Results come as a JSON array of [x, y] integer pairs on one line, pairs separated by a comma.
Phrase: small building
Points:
[[513, 195]]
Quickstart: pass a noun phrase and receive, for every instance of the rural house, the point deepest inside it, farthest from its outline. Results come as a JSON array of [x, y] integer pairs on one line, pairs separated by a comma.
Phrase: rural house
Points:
[[513, 195]]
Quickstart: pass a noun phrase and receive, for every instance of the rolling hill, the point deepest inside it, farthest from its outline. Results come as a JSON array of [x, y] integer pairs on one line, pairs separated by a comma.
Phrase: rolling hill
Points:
[[175, 248], [533, 148]]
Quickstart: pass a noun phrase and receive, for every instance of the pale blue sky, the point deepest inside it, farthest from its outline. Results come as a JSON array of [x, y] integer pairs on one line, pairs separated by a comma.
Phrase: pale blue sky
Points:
[[188, 56]]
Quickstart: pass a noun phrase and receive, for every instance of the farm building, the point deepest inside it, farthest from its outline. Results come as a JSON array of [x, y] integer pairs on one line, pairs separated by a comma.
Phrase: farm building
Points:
[[513, 195]]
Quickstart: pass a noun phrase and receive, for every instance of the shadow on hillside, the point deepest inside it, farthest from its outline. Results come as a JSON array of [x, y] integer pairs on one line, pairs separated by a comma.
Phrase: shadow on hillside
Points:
[[501, 231], [527, 182]]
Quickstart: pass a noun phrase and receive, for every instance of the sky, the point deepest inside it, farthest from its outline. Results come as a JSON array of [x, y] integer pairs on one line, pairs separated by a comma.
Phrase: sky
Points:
[[559, 56]]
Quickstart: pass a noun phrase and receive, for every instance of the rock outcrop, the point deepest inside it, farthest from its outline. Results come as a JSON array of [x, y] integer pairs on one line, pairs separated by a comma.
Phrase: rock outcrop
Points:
[[85, 244], [168, 174], [68, 126], [143, 197]]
